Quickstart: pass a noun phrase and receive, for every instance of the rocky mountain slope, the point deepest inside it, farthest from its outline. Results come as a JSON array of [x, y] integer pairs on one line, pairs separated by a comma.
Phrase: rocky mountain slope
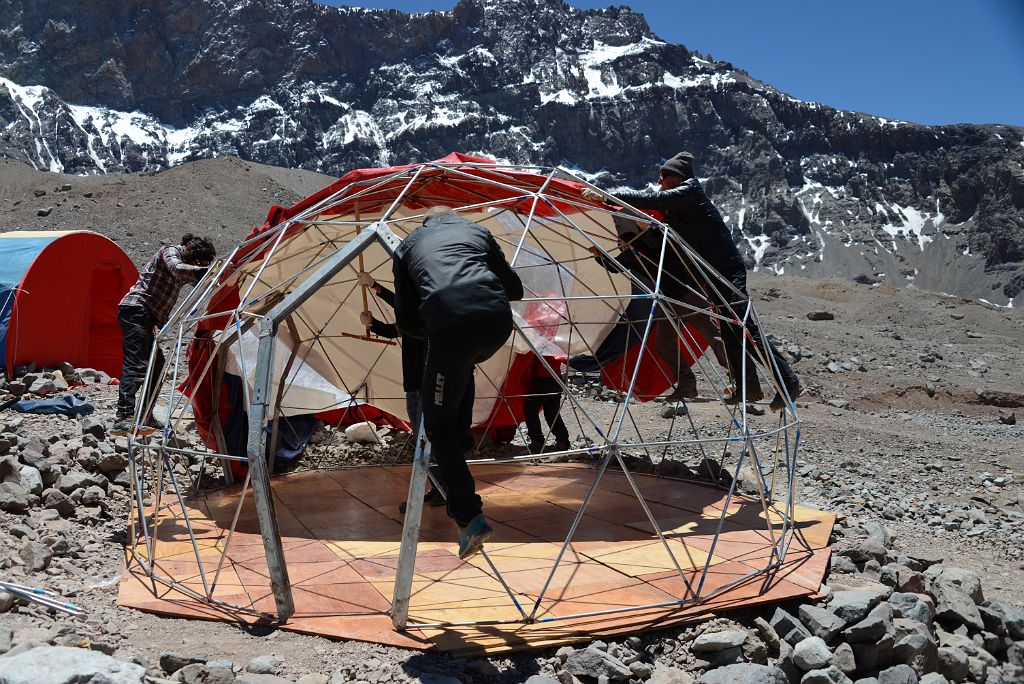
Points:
[[91, 87]]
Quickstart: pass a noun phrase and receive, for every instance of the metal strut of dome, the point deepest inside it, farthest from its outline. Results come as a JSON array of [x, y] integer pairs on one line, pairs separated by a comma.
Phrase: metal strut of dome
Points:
[[281, 312]]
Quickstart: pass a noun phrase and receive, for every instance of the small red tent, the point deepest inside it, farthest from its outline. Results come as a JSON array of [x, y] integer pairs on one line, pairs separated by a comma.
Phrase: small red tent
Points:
[[59, 292]]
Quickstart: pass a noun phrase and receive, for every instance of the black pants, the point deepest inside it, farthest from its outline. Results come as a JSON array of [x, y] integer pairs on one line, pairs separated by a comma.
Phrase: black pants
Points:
[[546, 395], [137, 341], [448, 393], [732, 340]]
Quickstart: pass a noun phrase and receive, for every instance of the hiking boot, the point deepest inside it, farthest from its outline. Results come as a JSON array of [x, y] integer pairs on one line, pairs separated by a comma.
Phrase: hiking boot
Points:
[[682, 391], [434, 497], [124, 426], [732, 397], [536, 446], [473, 536], [779, 402], [556, 447]]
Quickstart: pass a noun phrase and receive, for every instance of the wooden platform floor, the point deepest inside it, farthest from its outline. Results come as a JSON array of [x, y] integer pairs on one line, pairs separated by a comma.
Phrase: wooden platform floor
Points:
[[342, 530]]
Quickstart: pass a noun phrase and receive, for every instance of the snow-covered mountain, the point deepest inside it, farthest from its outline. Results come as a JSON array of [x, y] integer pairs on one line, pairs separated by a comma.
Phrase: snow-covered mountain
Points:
[[92, 87]]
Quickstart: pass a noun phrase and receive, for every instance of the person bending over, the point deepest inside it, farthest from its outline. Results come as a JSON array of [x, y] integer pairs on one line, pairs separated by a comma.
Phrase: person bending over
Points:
[[144, 310], [453, 286], [690, 212], [640, 254]]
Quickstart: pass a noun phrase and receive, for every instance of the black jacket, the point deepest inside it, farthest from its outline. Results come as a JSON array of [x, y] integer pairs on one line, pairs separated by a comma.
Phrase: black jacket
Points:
[[447, 271], [689, 211], [414, 351]]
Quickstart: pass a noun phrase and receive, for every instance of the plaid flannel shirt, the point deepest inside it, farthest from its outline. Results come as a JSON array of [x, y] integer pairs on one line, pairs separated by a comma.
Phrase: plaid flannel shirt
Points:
[[160, 283]]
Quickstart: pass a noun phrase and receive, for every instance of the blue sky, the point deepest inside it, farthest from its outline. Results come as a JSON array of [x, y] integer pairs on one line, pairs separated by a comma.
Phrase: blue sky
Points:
[[929, 61]]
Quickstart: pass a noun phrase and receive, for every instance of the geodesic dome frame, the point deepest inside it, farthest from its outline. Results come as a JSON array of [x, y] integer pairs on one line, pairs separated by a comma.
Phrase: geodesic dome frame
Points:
[[281, 314]]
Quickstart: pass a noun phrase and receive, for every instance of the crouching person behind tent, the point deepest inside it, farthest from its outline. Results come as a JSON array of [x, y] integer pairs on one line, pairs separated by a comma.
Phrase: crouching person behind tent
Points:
[[453, 287], [145, 308]]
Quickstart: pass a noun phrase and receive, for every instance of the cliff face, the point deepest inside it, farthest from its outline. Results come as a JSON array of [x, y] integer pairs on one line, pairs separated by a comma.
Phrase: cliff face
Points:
[[144, 84]]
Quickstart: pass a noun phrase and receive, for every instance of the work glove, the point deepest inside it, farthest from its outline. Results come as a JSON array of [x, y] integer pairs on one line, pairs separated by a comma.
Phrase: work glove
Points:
[[366, 280], [592, 195], [365, 318]]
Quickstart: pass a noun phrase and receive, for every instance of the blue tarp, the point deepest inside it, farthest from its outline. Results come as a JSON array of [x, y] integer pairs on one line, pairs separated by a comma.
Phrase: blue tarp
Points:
[[16, 256], [66, 405]]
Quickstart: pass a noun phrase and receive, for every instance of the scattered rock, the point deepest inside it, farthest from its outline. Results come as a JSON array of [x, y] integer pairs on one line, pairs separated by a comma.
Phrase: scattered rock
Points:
[[590, 662], [844, 659], [853, 605], [812, 654], [665, 674], [264, 664], [830, 675], [712, 642], [13, 497], [63, 665], [820, 316], [36, 556], [788, 627], [918, 651], [955, 607], [197, 673], [171, 662], [877, 624], [748, 673], [968, 580], [898, 674]]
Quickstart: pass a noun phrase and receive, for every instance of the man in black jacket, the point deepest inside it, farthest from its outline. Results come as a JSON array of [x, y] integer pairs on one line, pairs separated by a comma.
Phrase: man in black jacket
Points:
[[692, 215], [453, 286]]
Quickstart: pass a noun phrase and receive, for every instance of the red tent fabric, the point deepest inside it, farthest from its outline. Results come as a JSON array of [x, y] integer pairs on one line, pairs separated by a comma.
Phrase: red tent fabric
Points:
[[65, 306]]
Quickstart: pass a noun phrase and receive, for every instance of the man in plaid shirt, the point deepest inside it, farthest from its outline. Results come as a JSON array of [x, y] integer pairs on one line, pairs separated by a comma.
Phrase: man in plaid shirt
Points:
[[145, 308]]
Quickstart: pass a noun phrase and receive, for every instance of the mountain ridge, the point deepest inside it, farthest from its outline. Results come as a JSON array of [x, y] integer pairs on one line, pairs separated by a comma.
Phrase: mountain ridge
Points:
[[807, 188]]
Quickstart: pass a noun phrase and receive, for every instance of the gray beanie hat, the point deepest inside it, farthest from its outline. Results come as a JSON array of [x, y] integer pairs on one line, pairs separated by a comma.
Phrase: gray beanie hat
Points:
[[680, 165]]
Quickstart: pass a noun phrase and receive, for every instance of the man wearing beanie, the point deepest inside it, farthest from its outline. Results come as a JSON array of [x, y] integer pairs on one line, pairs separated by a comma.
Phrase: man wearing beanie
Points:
[[698, 222]]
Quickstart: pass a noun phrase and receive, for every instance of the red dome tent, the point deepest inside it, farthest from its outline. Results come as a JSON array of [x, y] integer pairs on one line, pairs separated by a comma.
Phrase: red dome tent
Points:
[[59, 292], [367, 193]]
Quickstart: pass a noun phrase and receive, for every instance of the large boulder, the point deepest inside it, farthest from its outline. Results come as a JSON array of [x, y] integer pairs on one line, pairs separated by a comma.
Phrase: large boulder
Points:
[[822, 623], [63, 665], [36, 556], [919, 607], [918, 651], [591, 662], [968, 580], [13, 497], [853, 605], [76, 479], [955, 607], [747, 673], [788, 627], [812, 654]]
